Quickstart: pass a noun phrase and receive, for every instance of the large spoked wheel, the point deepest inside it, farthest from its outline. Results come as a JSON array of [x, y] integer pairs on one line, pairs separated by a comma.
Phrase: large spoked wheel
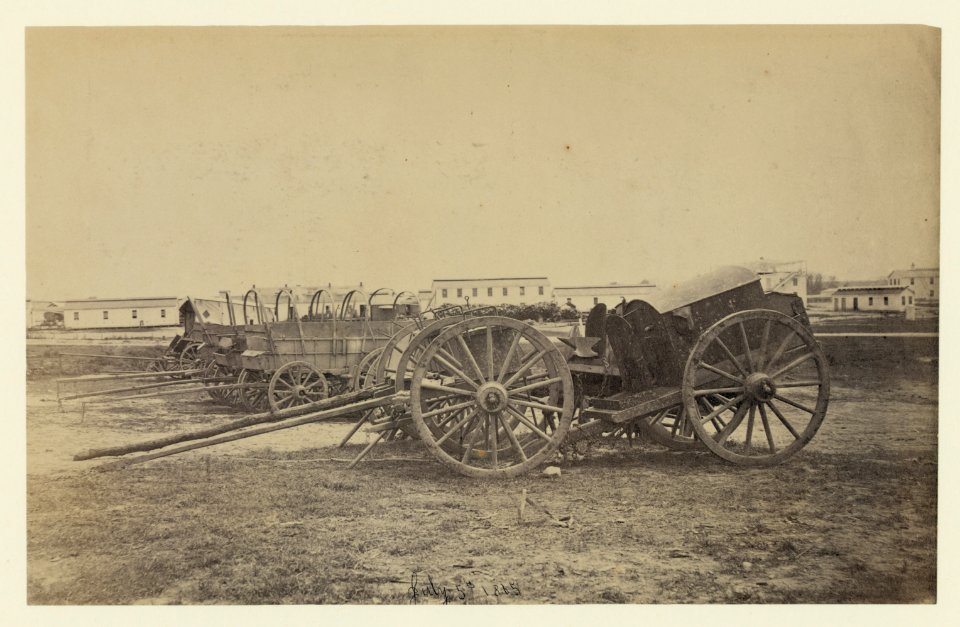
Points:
[[253, 394], [669, 427], [296, 383], [755, 387], [492, 396]]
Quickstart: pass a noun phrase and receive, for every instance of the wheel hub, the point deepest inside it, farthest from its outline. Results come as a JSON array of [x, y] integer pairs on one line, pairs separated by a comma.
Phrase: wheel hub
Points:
[[492, 397], [760, 387], [300, 391]]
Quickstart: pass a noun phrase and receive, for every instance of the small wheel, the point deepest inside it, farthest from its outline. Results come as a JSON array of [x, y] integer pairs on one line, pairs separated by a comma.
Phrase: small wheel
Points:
[[214, 370], [190, 357], [669, 427], [253, 394], [756, 387], [296, 383], [483, 394]]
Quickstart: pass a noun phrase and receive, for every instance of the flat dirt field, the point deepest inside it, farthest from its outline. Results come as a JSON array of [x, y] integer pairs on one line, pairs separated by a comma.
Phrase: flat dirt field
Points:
[[280, 519]]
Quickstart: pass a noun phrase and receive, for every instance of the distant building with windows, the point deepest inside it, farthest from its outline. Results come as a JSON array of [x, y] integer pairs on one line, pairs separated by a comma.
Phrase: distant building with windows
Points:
[[584, 297], [494, 291], [785, 277], [924, 281], [873, 298], [121, 313]]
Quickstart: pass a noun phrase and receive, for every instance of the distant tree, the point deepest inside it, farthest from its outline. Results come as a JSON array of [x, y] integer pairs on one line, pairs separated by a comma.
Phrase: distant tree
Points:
[[814, 283]]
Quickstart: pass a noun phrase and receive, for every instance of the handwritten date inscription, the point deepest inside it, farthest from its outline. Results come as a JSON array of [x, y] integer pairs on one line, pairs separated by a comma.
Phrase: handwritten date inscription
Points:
[[428, 590]]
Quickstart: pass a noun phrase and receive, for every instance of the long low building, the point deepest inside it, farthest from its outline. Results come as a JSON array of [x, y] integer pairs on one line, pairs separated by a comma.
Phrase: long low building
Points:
[[121, 313], [872, 298], [496, 291]]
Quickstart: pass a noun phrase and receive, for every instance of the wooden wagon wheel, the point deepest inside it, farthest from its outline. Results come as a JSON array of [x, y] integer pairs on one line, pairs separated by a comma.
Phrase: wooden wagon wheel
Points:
[[190, 357], [756, 387], [669, 427], [296, 383], [214, 370], [253, 394], [487, 415]]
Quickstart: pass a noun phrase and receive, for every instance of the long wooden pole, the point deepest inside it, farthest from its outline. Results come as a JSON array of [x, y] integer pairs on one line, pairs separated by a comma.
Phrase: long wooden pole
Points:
[[321, 405], [394, 399]]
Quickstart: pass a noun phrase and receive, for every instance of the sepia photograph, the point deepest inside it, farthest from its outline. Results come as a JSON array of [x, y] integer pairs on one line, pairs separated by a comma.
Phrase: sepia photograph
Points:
[[432, 315]]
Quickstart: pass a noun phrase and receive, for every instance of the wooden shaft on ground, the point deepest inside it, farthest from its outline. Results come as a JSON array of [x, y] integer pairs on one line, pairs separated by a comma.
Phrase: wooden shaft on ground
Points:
[[327, 403], [296, 422], [127, 375], [150, 386]]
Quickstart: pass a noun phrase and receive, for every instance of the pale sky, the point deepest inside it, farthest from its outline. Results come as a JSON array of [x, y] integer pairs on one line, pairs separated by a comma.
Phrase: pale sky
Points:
[[184, 161]]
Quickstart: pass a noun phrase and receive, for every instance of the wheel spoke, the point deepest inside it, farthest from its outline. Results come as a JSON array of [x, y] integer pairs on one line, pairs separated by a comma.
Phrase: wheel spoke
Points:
[[794, 403], [525, 367], [730, 356], [733, 424], [430, 385], [534, 385], [513, 438], [527, 423], [746, 347], [793, 364], [763, 344], [766, 428], [470, 357], [782, 347], [784, 420], [513, 349], [722, 373], [539, 406], [468, 446], [489, 353], [436, 412], [457, 371], [457, 426], [494, 427], [718, 391], [718, 410]]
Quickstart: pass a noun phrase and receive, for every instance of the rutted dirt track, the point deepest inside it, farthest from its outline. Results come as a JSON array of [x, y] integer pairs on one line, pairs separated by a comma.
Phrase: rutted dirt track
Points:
[[280, 519]]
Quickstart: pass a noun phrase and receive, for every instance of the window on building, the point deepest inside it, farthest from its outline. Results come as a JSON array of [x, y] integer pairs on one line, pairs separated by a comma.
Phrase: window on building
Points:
[[523, 290], [163, 313], [911, 280], [133, 313], [443, 292], [931, 280], [106, 315], [505, 291], [540, 290], [459, 292], [870, 300], [76, 315], [474, 291], [489, 291], [931, 293], [910, 299], [796, 281], [886, 300], [903, 300], [595, 300]]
